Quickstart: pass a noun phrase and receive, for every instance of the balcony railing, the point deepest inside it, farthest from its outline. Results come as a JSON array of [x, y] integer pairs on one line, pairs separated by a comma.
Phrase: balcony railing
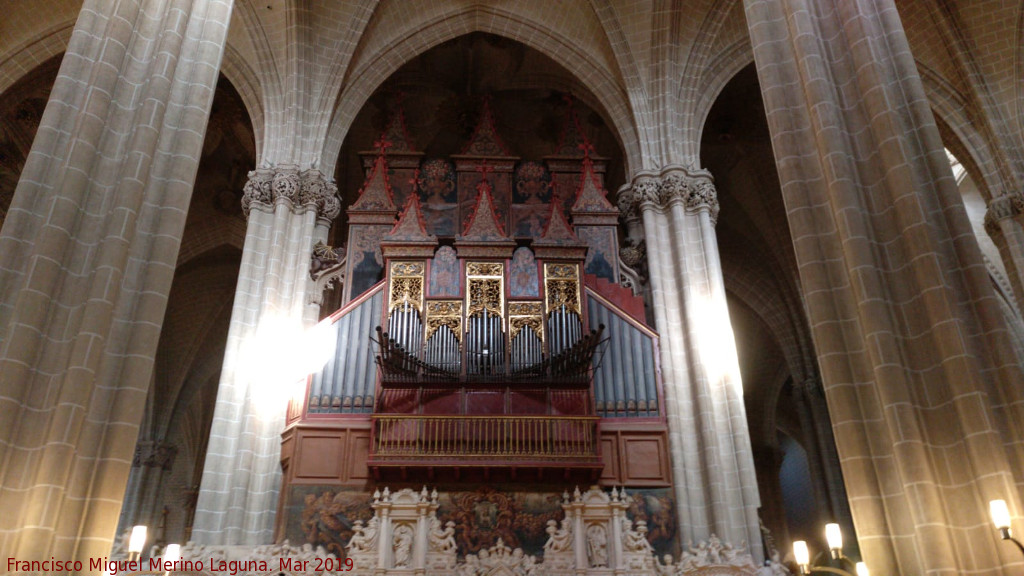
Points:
[[441, 440]]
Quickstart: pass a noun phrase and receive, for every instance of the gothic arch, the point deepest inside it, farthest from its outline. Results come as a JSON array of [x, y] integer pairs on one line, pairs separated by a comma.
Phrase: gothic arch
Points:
[[52, 42], [368, 75], [960, 134], [719, 72], [245, 81]]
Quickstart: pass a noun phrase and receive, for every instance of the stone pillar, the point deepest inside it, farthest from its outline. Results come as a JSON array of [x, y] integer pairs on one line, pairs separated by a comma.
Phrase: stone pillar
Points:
[[923, 389], [1004, 222], [87, 255], [826, 474], [287, 212], [713, 467]]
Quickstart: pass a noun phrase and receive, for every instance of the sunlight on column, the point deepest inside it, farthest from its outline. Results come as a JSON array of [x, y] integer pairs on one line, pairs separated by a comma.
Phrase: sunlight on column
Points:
[[279, 356], [716, 341]]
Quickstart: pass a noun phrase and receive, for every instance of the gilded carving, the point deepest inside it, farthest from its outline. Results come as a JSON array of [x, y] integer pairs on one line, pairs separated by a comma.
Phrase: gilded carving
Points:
[[485, 294], [484, 269], [525, 315], [485, 288], [444, 313], [561, 286], [409, 289], [399, 269]]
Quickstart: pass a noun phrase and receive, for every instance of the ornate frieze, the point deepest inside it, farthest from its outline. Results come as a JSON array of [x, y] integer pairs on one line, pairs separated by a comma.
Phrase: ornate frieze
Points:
[[562, 287], [485, 288], [308, 188], [1001, 208], [691, 188], [526, 315], [444, 313], [406, 284]]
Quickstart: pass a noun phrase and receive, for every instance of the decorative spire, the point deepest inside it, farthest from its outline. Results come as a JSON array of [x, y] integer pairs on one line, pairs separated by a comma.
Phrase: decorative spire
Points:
[[485, 141], [572, 135], [396, 132], [376, 194], [591, 195], [558, 230], [410, 226], [483, 223]]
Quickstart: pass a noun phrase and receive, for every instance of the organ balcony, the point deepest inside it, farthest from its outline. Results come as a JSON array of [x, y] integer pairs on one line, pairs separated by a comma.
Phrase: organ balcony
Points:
[[483, 383]]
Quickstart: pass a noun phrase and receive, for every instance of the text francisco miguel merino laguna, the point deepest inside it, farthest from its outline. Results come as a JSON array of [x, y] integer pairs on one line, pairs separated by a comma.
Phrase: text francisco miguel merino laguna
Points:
[[228, 567]]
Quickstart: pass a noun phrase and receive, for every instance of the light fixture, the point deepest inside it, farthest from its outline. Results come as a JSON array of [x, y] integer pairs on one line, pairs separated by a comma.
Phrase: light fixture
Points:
[[1001, 518], [834, 537], [137, 542], [172, 553]]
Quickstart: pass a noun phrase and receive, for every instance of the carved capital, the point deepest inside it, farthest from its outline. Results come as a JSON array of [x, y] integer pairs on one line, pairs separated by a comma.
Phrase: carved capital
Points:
[[1001, 208], [674, 188], [647, 190], [628, 203], [257, 189], [154, 455], [320, 192], [309, 188], [287, 184], [701, 195]]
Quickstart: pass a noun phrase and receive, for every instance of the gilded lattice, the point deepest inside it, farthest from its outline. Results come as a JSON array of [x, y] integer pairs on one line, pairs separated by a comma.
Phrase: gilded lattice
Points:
[[526, 315], [444, 313], [485, 269], [406, 285], [562, 287], [485, 282], [407, 269], [485, 294]]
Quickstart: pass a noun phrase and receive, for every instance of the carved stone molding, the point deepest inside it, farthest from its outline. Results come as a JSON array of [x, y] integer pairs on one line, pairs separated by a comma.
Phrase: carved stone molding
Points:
[[1001, 208], [298, 189], [154, 455], [693, 189]]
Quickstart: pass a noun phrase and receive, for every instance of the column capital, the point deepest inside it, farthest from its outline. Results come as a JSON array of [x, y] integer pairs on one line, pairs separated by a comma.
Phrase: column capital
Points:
[[693, 188], [1002, 207], [298, 189]]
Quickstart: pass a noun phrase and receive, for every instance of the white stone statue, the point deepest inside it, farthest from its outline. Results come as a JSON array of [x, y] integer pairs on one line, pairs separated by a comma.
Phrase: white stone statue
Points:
[[635, 540], [364, 538], [402, 541], [597, 546], [441, 539], [559, 539]]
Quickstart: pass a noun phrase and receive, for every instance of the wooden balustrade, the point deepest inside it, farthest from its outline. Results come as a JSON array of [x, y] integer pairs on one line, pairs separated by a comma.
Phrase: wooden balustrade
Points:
[[442, 439]]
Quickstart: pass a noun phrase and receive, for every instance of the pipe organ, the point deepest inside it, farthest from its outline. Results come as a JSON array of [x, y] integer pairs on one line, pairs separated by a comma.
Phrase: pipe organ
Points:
[[485, 337]]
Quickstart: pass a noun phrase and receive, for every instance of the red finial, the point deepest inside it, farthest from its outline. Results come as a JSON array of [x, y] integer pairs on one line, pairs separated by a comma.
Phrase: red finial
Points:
[[586, 147], [484, 169], [415, 180], [383, 144]]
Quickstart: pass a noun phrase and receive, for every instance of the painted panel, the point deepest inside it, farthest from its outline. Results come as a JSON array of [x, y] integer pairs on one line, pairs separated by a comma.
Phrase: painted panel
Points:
[[445, 280], [482, 514], [523, 277]]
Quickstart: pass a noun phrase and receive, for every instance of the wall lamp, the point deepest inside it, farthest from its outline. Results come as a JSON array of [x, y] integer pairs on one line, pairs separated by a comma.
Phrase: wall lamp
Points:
[[834, 536], [1001, 518]]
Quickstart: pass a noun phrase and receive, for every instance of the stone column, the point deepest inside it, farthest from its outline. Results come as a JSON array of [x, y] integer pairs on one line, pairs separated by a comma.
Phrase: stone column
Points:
[[287, 212], [923, 389], [713, 467], [1004, 222], [826, 474], [87, 255]]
